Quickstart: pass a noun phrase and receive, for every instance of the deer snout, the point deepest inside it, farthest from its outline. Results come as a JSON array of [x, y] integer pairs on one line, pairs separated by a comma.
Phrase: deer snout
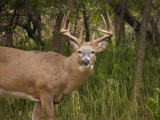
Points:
[[86, 61]]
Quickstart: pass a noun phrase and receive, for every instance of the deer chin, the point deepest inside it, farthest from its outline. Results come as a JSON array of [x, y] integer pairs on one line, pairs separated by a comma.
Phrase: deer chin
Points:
[[85, 68]]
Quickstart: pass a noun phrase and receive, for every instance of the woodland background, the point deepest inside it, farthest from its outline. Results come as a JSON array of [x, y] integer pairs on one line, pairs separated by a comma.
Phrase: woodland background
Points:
[[125, 83]]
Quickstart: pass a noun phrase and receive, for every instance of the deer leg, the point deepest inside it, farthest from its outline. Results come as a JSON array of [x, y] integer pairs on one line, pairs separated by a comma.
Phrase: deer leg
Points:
[[47, 105], [37, 111]]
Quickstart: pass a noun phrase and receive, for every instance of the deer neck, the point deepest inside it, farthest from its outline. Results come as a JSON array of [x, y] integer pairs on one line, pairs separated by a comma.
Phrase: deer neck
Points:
[[77, 73]]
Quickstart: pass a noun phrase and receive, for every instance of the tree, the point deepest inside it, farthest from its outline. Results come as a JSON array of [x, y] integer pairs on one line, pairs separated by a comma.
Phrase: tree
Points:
[[24, 15], [58, 41], [141, 52], [130, 18]]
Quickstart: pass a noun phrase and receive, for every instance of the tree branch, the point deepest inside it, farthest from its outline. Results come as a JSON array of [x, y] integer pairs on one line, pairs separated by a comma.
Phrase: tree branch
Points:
[[130, 19]]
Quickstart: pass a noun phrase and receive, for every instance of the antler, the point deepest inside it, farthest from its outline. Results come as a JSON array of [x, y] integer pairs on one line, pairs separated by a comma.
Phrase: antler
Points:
[[66, 32], [108, 34]]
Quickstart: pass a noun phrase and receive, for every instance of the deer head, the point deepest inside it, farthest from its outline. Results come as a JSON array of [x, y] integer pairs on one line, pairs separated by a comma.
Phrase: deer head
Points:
[[86, 50]]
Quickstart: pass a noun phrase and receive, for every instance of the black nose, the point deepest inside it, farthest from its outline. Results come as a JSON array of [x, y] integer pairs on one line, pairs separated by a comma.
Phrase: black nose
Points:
[[85, 61]]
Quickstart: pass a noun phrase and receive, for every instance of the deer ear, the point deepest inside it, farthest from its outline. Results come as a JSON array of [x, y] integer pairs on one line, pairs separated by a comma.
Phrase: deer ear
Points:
[[99, 47], [75, 45]]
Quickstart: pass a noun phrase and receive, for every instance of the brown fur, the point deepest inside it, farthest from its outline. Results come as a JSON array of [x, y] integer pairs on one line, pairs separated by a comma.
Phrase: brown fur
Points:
[[40, 74]]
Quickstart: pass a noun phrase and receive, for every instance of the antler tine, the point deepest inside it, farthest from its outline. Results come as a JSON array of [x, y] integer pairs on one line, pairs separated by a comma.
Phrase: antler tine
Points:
[[66, 32], [63, 24], [109, 21], [108, 34], [110, 26], [69, 26], [65, 19], [105, 25], [93, 36], [80, 37]]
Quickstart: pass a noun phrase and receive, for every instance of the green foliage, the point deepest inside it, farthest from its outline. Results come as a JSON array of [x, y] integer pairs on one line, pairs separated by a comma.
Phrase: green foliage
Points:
[[154, 103], [11, 109]]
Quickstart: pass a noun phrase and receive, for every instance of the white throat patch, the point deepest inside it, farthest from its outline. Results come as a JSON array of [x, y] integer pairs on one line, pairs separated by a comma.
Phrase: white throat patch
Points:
[[83, 68], [91, 67]]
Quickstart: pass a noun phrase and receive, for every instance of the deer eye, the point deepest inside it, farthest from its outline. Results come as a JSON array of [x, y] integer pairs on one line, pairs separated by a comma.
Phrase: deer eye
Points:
[[79, 52], [92, 52]]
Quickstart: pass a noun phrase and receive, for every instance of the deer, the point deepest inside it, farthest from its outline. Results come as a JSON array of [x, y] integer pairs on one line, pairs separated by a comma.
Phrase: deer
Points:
[[46, 77]]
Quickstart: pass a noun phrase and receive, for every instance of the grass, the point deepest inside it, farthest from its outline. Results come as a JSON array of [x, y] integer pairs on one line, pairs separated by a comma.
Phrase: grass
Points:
[[106, 95]]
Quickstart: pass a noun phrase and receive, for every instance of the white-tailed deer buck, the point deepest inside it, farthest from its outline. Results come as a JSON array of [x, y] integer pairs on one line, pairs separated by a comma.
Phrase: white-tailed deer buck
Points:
[[46, 77]]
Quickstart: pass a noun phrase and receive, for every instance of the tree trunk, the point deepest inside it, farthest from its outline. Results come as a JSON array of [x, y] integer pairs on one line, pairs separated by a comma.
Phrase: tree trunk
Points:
[[116, 27], [121, 30], [86, 22], [119, 25], [155, 31], [141, 52], [58, 41]]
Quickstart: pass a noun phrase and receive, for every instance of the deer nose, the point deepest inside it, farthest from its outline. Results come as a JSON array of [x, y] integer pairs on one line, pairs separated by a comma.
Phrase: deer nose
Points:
[[86, 61]]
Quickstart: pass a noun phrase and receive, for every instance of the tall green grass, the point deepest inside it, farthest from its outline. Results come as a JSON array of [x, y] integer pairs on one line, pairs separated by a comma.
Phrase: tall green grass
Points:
[[107, 93]]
